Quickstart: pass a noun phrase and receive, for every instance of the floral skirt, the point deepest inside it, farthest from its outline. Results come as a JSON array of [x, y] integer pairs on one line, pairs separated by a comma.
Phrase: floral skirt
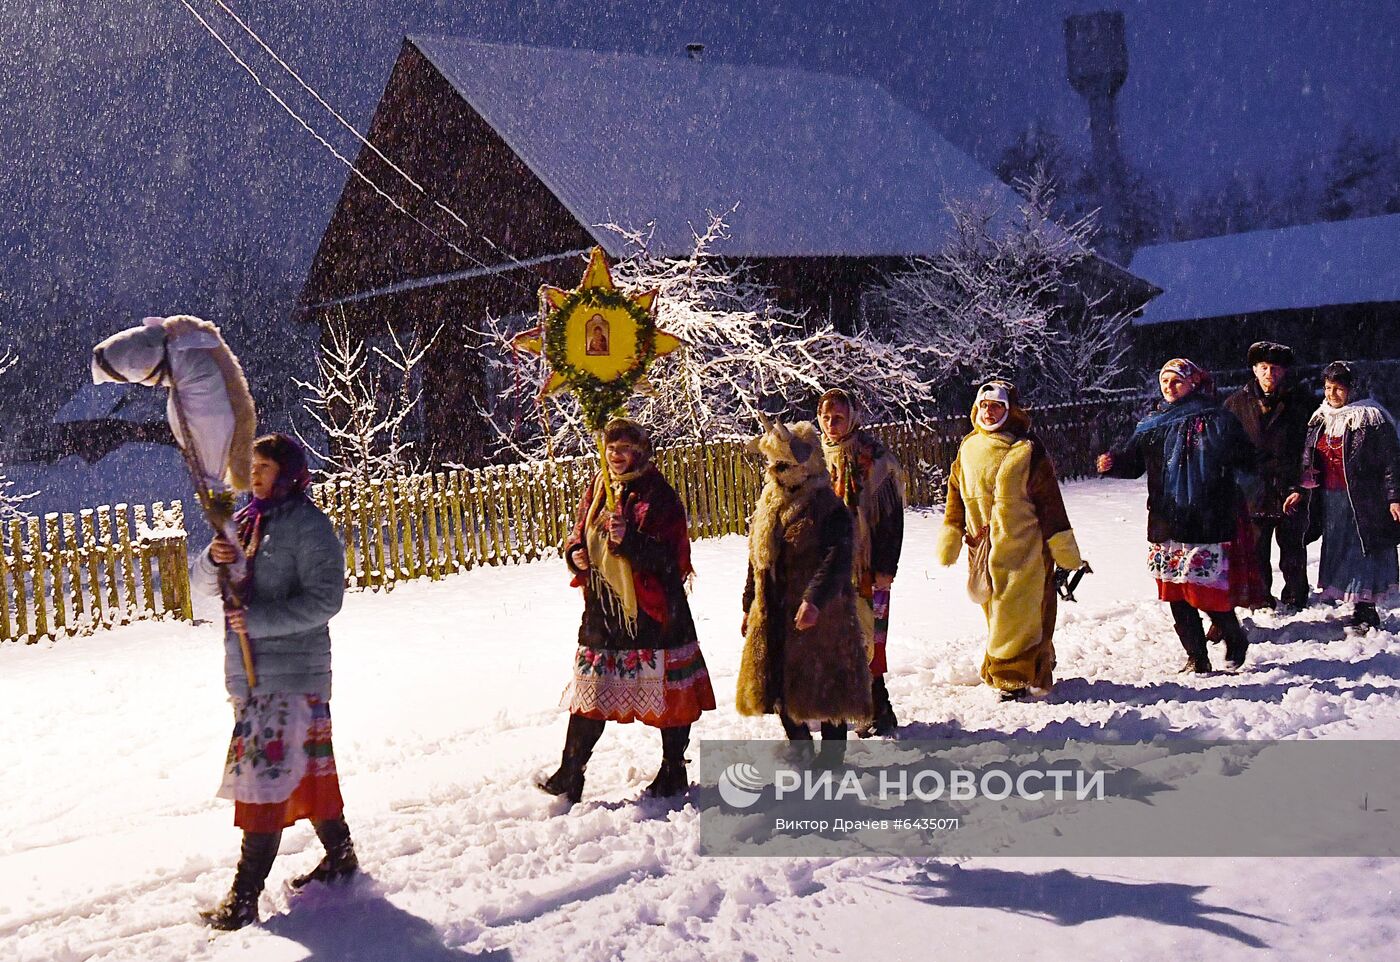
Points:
[[280, 766], [1198, 574], [1346, 572], [655, 686]]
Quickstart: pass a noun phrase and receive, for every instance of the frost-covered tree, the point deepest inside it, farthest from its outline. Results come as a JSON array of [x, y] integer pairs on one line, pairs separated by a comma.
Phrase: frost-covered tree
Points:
[[361, 401], [1004, 297], [1362, 178], [1144, 204], [744, 353]]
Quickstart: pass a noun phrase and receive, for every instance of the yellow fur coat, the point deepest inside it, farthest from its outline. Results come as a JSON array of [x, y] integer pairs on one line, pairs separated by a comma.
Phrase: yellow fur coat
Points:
[[1004, 482]]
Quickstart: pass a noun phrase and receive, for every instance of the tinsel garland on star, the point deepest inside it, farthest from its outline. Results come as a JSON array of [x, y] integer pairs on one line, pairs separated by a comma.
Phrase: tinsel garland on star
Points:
[[598, 342]]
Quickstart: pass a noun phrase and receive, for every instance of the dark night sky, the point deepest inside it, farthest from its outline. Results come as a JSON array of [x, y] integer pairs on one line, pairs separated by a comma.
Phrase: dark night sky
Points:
[[139, 156]]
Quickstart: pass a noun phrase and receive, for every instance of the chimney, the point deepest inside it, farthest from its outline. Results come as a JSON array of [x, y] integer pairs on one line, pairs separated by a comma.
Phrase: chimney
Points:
[[695, 51], [1098, 64]]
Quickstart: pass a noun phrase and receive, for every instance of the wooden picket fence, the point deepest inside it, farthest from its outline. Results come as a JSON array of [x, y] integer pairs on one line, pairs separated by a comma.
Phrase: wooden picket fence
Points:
[[66, 574], [431, 525]]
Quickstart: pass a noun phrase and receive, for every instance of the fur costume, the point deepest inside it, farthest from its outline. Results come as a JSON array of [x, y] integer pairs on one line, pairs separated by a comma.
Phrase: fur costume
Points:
[[1003, 483], [800, 544], [190, 356], [868, 478]]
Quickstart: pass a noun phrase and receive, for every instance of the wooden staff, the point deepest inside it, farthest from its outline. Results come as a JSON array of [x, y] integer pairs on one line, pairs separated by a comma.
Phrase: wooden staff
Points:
[[606, 474]]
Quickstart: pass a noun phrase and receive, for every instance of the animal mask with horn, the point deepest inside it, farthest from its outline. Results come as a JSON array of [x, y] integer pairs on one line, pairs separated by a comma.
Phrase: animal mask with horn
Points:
[[792, 454]]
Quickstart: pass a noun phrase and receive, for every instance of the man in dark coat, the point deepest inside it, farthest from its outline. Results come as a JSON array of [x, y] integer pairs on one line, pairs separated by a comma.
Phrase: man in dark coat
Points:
[[1274, 411]]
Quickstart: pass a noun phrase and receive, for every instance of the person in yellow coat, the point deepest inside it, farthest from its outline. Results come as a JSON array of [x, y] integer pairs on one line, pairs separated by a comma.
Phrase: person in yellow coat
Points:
[[1003, 497]]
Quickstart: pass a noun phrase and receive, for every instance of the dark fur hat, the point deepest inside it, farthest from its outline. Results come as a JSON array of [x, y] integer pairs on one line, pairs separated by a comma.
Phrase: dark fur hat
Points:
[[1270, 352]]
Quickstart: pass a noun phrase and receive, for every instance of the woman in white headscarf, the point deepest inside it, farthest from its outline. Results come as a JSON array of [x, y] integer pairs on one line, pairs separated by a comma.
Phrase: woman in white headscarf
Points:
[[1003, 497], [1351, 490]]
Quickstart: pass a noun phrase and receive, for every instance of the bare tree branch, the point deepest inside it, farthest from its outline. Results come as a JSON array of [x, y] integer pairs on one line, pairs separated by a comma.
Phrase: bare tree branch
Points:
[[352, 403], [744, 354]]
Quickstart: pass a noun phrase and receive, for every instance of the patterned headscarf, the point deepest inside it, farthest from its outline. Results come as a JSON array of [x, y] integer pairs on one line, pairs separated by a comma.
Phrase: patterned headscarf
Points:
[[1190, 372], [293, 478]]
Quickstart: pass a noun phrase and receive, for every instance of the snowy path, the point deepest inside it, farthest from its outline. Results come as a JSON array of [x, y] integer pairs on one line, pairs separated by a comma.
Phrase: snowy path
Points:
[[445, 707]]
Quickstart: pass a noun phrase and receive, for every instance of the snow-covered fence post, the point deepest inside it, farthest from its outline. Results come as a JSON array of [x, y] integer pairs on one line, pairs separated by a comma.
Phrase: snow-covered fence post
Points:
[[54, 556], [35, 554], [5, 591], [167, 540], [59, 577], [145, 552], [19, 570]]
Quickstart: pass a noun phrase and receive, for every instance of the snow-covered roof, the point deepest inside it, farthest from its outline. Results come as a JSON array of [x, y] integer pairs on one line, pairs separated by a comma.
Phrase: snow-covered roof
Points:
[[113, 402], [819, 164], [1341, 262]]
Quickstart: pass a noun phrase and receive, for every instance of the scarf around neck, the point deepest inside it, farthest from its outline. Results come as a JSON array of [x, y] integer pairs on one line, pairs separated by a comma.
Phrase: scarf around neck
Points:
[[251, 519], [1350, 416], [1172, 412], [610, 574], [870, 486]]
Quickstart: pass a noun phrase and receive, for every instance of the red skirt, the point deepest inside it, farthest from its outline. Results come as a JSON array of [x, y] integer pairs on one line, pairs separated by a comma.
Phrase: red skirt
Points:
[[1210, 577], [280, 765]]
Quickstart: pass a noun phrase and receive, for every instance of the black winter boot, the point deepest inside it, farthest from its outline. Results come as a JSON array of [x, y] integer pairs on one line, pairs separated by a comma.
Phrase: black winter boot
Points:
[[582, 735], [1193, 638], [796, 731], [339, 862], [832, 753], [1364, 617], [884, 723], [672, 779], [801, 750], [240, 906], [1294, 599], [1236, 641]]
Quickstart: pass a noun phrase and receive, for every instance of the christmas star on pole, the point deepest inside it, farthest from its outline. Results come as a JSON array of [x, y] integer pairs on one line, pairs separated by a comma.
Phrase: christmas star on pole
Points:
[[598, 342]]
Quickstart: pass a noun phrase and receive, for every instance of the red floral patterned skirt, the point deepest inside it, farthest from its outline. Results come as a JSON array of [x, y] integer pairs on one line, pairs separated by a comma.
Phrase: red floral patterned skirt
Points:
[[659, 687], [1209, 577], [280, 765]]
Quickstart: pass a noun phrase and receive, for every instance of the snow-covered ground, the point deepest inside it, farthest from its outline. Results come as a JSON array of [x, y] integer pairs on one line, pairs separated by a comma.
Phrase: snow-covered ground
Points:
[[446, 706]]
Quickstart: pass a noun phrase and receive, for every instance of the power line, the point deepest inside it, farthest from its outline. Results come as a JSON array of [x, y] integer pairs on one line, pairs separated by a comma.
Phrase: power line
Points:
[[334, 113], [421, 282], [330, 147], [257, 38]]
